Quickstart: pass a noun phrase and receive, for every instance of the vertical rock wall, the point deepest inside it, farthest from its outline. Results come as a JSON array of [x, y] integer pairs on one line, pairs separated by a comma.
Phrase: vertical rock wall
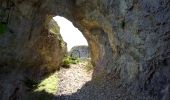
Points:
[[31, 47], [30, 39], [129, 39]]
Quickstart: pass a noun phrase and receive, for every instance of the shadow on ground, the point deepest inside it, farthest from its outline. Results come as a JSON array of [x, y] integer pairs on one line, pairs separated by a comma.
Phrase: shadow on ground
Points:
[[105, 87], [98, 89]]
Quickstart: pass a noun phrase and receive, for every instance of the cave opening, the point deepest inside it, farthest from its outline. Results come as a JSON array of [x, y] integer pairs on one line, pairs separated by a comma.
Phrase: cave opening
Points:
[[70, 34], [76, 69], [80, 68]]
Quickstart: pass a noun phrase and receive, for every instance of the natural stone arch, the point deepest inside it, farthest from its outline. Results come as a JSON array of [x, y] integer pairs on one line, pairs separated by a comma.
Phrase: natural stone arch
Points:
[[118, 40], [91, 29], [128, 39]]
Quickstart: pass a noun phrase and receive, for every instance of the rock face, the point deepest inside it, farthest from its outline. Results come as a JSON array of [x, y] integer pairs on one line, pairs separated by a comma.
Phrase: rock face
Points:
[[127, 38], [79, 52], [27, 41], [30, 46]]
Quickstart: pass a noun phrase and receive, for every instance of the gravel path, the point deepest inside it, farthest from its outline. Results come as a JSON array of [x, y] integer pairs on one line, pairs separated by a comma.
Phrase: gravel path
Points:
[[72, 79], [75, 84]]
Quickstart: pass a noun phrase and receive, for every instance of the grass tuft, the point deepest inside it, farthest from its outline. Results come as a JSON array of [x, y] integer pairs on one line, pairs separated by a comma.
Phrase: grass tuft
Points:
[[49, 84], [69, 60]]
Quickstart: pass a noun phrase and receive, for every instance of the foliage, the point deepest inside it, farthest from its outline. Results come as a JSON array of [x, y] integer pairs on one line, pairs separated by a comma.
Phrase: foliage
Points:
[[62, 43], [3, 28], [49, 84], [69, 60], [42, 90]]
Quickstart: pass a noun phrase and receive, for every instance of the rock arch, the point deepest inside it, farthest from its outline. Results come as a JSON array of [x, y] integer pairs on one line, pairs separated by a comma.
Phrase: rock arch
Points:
[[127, 38]]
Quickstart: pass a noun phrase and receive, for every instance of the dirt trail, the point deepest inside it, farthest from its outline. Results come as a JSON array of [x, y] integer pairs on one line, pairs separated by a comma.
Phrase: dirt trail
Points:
[[75, 84], [72, 79]]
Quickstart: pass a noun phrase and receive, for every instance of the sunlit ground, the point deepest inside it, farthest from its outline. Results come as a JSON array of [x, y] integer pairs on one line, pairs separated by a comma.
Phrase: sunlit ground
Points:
[[42, 90], [49, 84], [71, 35]]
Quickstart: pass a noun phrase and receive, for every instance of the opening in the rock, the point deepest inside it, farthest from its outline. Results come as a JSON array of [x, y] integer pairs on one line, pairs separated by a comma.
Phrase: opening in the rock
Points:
[[76, 69], [71, 35]]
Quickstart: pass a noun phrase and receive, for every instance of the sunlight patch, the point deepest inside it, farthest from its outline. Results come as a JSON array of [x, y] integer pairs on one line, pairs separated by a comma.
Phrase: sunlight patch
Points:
[[49, 84]]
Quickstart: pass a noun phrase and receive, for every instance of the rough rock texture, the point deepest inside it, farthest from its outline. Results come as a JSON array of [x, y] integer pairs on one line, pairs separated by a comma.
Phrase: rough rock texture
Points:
[[30, 46], [79, 52], [30, 39], [129, 39]]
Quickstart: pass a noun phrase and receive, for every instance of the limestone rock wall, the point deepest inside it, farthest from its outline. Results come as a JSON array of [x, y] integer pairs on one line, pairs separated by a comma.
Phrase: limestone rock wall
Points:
[[127, 38], [31, 38], [30, 46], [81, 52]]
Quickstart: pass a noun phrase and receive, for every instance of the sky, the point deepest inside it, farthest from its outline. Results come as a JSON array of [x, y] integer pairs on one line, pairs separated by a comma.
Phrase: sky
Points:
[[70, 34]]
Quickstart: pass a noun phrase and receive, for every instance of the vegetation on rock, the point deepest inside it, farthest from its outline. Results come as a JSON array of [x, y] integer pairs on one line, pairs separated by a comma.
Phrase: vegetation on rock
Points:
[[49, 84], [43, 90], [3, 28], [69, 60]]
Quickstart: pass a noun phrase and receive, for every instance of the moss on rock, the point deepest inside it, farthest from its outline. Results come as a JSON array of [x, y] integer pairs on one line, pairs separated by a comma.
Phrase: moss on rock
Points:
[[3, 28]]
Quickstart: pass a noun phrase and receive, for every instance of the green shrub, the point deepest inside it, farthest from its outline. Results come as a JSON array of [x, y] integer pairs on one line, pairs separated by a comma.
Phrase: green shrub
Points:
[[74, 60], [49, 84], [69, 60], [3, 28]]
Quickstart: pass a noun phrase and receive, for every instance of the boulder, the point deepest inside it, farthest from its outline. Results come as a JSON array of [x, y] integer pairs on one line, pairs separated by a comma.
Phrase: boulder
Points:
[[81, 52]]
